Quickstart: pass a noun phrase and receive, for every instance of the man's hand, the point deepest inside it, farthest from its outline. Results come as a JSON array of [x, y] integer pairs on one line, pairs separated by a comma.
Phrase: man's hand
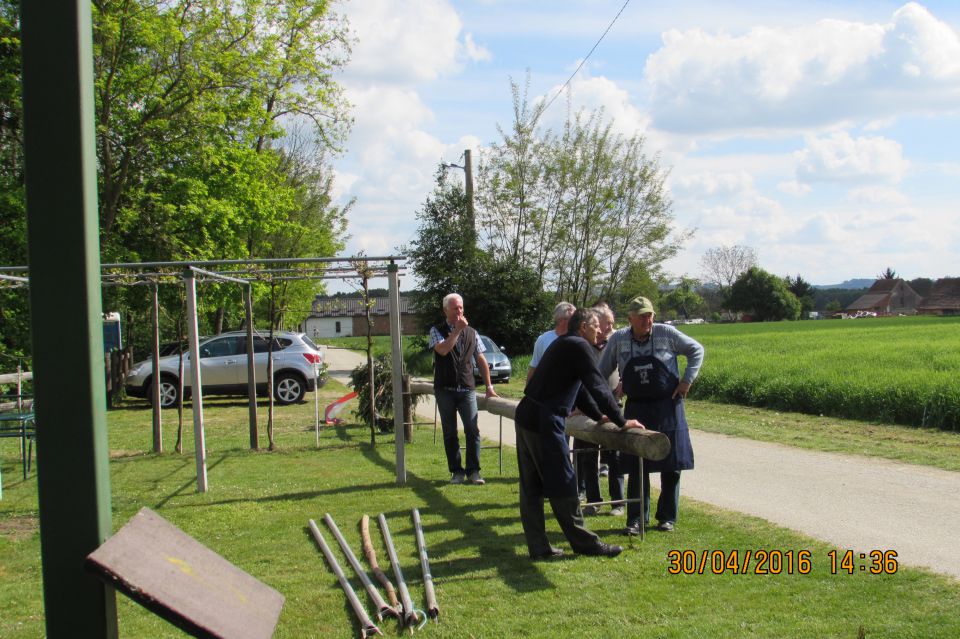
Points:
[[681, 390], [490, 392], [633, 423], [461, 323]]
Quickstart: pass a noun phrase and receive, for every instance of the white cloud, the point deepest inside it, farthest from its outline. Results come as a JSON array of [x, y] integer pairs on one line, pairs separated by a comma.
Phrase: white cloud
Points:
[[828, 72], [879, 195], [401, 41], [714, 184], [793, 187], [842, 158]]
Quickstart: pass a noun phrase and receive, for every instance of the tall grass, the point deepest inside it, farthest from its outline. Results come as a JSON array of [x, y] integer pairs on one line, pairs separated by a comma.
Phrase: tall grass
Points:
[[899, 370]]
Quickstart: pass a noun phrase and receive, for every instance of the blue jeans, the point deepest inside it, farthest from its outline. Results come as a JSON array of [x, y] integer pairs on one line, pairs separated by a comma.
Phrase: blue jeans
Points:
[[449, 403]]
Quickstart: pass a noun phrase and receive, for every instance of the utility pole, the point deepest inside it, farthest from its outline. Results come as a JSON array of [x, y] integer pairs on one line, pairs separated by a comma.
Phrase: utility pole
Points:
[[468, 180], [468, 171]]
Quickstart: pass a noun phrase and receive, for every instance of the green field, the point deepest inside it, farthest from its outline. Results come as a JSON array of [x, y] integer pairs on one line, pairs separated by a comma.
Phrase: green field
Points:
[[900, 370], [255, 514]]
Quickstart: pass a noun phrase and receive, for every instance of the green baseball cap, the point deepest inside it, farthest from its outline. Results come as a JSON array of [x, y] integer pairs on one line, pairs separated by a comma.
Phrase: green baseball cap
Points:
[[640, 305]]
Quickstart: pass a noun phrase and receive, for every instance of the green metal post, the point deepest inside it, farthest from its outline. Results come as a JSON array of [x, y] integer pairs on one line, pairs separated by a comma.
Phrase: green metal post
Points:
[[72, 457]]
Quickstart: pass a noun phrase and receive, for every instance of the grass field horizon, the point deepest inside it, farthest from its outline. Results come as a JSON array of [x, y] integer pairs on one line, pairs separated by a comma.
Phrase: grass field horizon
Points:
[[255, 515]]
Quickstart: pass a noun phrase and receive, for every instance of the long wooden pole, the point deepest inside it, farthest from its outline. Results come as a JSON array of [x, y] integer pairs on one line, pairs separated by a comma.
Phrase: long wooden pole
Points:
[[371, 556], [399, 434], [409, 616], [433, 610], [366, 625], [199, 441], [155, 386], [251, 371], [382, 607]]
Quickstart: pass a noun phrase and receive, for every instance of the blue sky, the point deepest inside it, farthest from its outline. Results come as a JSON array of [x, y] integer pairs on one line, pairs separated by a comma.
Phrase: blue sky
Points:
[[825, 135]]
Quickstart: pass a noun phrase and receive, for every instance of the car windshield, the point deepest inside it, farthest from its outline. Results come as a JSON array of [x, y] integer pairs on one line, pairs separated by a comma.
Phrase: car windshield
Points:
[[489, 345]]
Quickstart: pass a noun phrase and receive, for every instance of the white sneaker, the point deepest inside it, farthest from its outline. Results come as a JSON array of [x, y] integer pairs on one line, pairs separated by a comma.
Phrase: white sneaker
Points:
[[617, 511], [475, 478], [604, 470]]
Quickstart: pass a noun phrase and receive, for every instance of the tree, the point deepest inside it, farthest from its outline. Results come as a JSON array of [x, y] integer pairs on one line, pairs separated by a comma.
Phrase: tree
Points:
[[503, 299], [14, 303], [723, 264], [182, 88], [804, 292], [764, 296], [887, 274], [921, 285], [638, 281], [683, 299], [578, 207]]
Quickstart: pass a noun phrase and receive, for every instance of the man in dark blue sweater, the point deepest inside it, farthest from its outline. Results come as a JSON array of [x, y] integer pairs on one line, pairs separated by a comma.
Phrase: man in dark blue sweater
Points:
[[567, 376]]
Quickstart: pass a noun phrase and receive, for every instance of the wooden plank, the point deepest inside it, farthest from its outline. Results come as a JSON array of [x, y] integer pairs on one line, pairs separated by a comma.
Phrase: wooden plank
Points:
[[11, 378], [170, 573]]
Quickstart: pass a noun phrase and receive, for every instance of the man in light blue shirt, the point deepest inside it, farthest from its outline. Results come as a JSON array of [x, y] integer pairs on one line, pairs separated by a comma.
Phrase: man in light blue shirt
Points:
[[561, 317]]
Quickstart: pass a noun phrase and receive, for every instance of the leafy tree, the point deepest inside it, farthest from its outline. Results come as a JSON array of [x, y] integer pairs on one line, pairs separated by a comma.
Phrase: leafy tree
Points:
[[578, 207], [764, 296], [180, 84], [922, 286], [723, 265], [638, 281], [844, 297], [887, 274], [683, 299], [503, 299], [804, 292], [14, 303]]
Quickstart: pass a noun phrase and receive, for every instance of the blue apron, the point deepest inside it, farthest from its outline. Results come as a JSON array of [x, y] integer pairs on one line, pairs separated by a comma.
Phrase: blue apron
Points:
[[649, 385]]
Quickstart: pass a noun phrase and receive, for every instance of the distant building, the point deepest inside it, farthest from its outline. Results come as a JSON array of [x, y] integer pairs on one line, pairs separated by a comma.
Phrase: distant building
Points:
[[346, 316], [944, 298], [886, 297]]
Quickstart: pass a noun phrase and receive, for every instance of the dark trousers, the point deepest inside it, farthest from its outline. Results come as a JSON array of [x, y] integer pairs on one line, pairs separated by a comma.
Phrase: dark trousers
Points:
[[588, 471], [667, 504], [449, 403], [566, 509]]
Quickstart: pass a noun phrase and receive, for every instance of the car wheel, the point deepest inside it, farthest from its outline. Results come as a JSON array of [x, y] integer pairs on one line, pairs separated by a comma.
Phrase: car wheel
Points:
[[169, 391], [288, 388]]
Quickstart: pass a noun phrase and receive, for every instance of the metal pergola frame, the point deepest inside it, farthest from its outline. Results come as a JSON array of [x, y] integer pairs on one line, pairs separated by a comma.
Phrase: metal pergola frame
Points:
[[148, 273]]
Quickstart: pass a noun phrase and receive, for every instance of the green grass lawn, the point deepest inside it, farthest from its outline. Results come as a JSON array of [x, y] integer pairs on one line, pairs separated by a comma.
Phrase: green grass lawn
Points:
[[255, 515]]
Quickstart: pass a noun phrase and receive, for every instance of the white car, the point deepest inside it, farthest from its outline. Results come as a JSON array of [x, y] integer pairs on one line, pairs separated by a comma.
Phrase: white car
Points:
[[223, 368]]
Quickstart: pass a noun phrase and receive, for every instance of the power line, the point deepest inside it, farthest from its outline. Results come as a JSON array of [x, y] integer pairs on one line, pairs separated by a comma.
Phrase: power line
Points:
[[584, 61]]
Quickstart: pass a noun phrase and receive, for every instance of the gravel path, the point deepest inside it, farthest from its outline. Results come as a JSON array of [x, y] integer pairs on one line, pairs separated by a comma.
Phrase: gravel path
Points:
[[848, 501]]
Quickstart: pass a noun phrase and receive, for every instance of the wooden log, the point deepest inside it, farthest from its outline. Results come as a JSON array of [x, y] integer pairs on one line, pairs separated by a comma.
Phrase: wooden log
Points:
[[648, 444], [371, 556]]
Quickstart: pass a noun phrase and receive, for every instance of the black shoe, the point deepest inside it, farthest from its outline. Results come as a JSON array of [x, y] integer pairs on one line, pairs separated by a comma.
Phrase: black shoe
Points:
[[603, 550], [553, 553], [633, 530], [665, 526]]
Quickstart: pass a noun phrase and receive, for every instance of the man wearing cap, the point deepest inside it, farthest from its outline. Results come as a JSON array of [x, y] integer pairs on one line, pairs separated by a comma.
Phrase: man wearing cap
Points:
[[645, 354]]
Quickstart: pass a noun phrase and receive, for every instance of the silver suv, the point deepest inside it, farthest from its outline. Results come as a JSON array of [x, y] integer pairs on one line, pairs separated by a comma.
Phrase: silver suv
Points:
[[223, 368]]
